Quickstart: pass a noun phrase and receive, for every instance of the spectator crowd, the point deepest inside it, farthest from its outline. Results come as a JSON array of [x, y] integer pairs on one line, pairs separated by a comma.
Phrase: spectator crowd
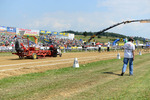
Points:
[[60, 42], [7, 42]]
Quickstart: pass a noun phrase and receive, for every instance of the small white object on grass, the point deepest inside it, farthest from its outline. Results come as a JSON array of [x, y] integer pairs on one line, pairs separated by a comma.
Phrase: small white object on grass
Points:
[[76, 63]]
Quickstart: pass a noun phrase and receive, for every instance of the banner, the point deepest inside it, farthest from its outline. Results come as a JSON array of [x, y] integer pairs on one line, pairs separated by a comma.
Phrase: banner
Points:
[[55, 33], [60, 33], [48, 32], [65, 34], [71, 36], [11, 29], [3, 28], [45, 32], [21, 32], [32, 33]]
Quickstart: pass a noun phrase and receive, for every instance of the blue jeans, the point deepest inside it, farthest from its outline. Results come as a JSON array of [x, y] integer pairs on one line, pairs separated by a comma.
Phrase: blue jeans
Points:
[[130, 65]]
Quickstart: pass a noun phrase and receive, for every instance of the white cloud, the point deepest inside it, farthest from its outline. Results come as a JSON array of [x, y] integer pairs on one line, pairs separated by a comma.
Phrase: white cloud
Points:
[[126, 6], [114, 11], [86, 22]]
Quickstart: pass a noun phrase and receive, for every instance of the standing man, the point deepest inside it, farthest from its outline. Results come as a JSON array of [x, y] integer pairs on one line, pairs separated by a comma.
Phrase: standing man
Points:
[[129, 49], [99, 48], [108, 45]]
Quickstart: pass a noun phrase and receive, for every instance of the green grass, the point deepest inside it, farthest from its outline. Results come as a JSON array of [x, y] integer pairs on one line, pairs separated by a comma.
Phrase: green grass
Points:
[[102, 39], [5, 54], [92, 81]]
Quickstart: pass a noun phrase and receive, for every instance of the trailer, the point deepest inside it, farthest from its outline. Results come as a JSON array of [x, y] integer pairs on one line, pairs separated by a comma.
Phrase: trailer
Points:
[[33, 52]]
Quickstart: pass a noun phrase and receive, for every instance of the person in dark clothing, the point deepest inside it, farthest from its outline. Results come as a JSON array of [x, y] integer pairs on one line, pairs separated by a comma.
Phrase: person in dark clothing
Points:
[[99, 48]]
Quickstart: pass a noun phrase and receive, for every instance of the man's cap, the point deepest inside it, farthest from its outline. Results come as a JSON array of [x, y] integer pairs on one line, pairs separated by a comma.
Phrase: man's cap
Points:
[[131, 39]]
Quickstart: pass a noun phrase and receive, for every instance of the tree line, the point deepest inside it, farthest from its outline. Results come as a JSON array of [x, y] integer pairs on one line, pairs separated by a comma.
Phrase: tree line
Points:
[[107, 34]]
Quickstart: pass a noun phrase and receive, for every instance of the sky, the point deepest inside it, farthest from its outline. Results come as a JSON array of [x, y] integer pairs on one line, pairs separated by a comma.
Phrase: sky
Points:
[[77, 15]]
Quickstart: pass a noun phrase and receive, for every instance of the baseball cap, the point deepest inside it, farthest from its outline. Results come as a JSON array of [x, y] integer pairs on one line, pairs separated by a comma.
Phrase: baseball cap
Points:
[[131, 39]]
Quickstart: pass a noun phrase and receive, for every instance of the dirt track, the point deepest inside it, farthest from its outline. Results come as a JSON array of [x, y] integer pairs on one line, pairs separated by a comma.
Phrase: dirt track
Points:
[[12, 65]]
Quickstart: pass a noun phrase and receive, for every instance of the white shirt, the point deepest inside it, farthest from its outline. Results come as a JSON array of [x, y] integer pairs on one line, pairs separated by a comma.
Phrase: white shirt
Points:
[[128, 48], [108, 45], [99, 46]]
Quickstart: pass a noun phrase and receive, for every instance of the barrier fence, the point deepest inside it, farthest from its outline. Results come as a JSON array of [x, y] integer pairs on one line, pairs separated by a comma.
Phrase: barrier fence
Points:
[[76, 49], [6, 49]]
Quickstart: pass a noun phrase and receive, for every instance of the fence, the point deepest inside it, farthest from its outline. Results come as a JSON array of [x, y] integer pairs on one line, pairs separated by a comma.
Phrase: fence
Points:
[[6, 48], [75, 49]]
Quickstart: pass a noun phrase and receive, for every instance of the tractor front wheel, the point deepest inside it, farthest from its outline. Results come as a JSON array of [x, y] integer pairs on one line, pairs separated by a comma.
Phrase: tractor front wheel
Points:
[[34, 56]]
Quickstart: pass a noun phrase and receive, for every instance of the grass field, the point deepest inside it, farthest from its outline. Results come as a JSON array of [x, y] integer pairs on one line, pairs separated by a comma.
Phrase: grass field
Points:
[[5, 54], [102, 39], [92, 81]]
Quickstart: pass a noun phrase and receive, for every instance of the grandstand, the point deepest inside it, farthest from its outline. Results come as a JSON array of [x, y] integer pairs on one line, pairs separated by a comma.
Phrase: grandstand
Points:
[[45, 38], [40, 38]]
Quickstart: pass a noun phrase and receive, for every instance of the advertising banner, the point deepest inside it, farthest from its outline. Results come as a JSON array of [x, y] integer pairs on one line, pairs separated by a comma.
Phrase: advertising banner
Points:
[[45, 32], [21, 32], [32, 33], [60, 33], [55, 33], [3, 28], [11, 29], [65, 34], [48, 32], [71, 36]]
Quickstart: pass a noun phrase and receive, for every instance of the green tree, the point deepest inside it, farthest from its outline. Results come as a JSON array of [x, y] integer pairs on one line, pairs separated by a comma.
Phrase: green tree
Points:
[[85, 33]]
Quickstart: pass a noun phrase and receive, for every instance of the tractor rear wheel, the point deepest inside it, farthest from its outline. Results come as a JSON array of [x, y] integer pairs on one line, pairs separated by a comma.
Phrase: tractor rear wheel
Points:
[[55, 55], [55, 52], [17, 46], [34, 56]]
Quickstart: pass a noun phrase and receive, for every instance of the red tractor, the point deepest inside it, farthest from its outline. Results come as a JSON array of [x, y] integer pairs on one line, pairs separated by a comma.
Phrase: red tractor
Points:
[[33, 52]]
